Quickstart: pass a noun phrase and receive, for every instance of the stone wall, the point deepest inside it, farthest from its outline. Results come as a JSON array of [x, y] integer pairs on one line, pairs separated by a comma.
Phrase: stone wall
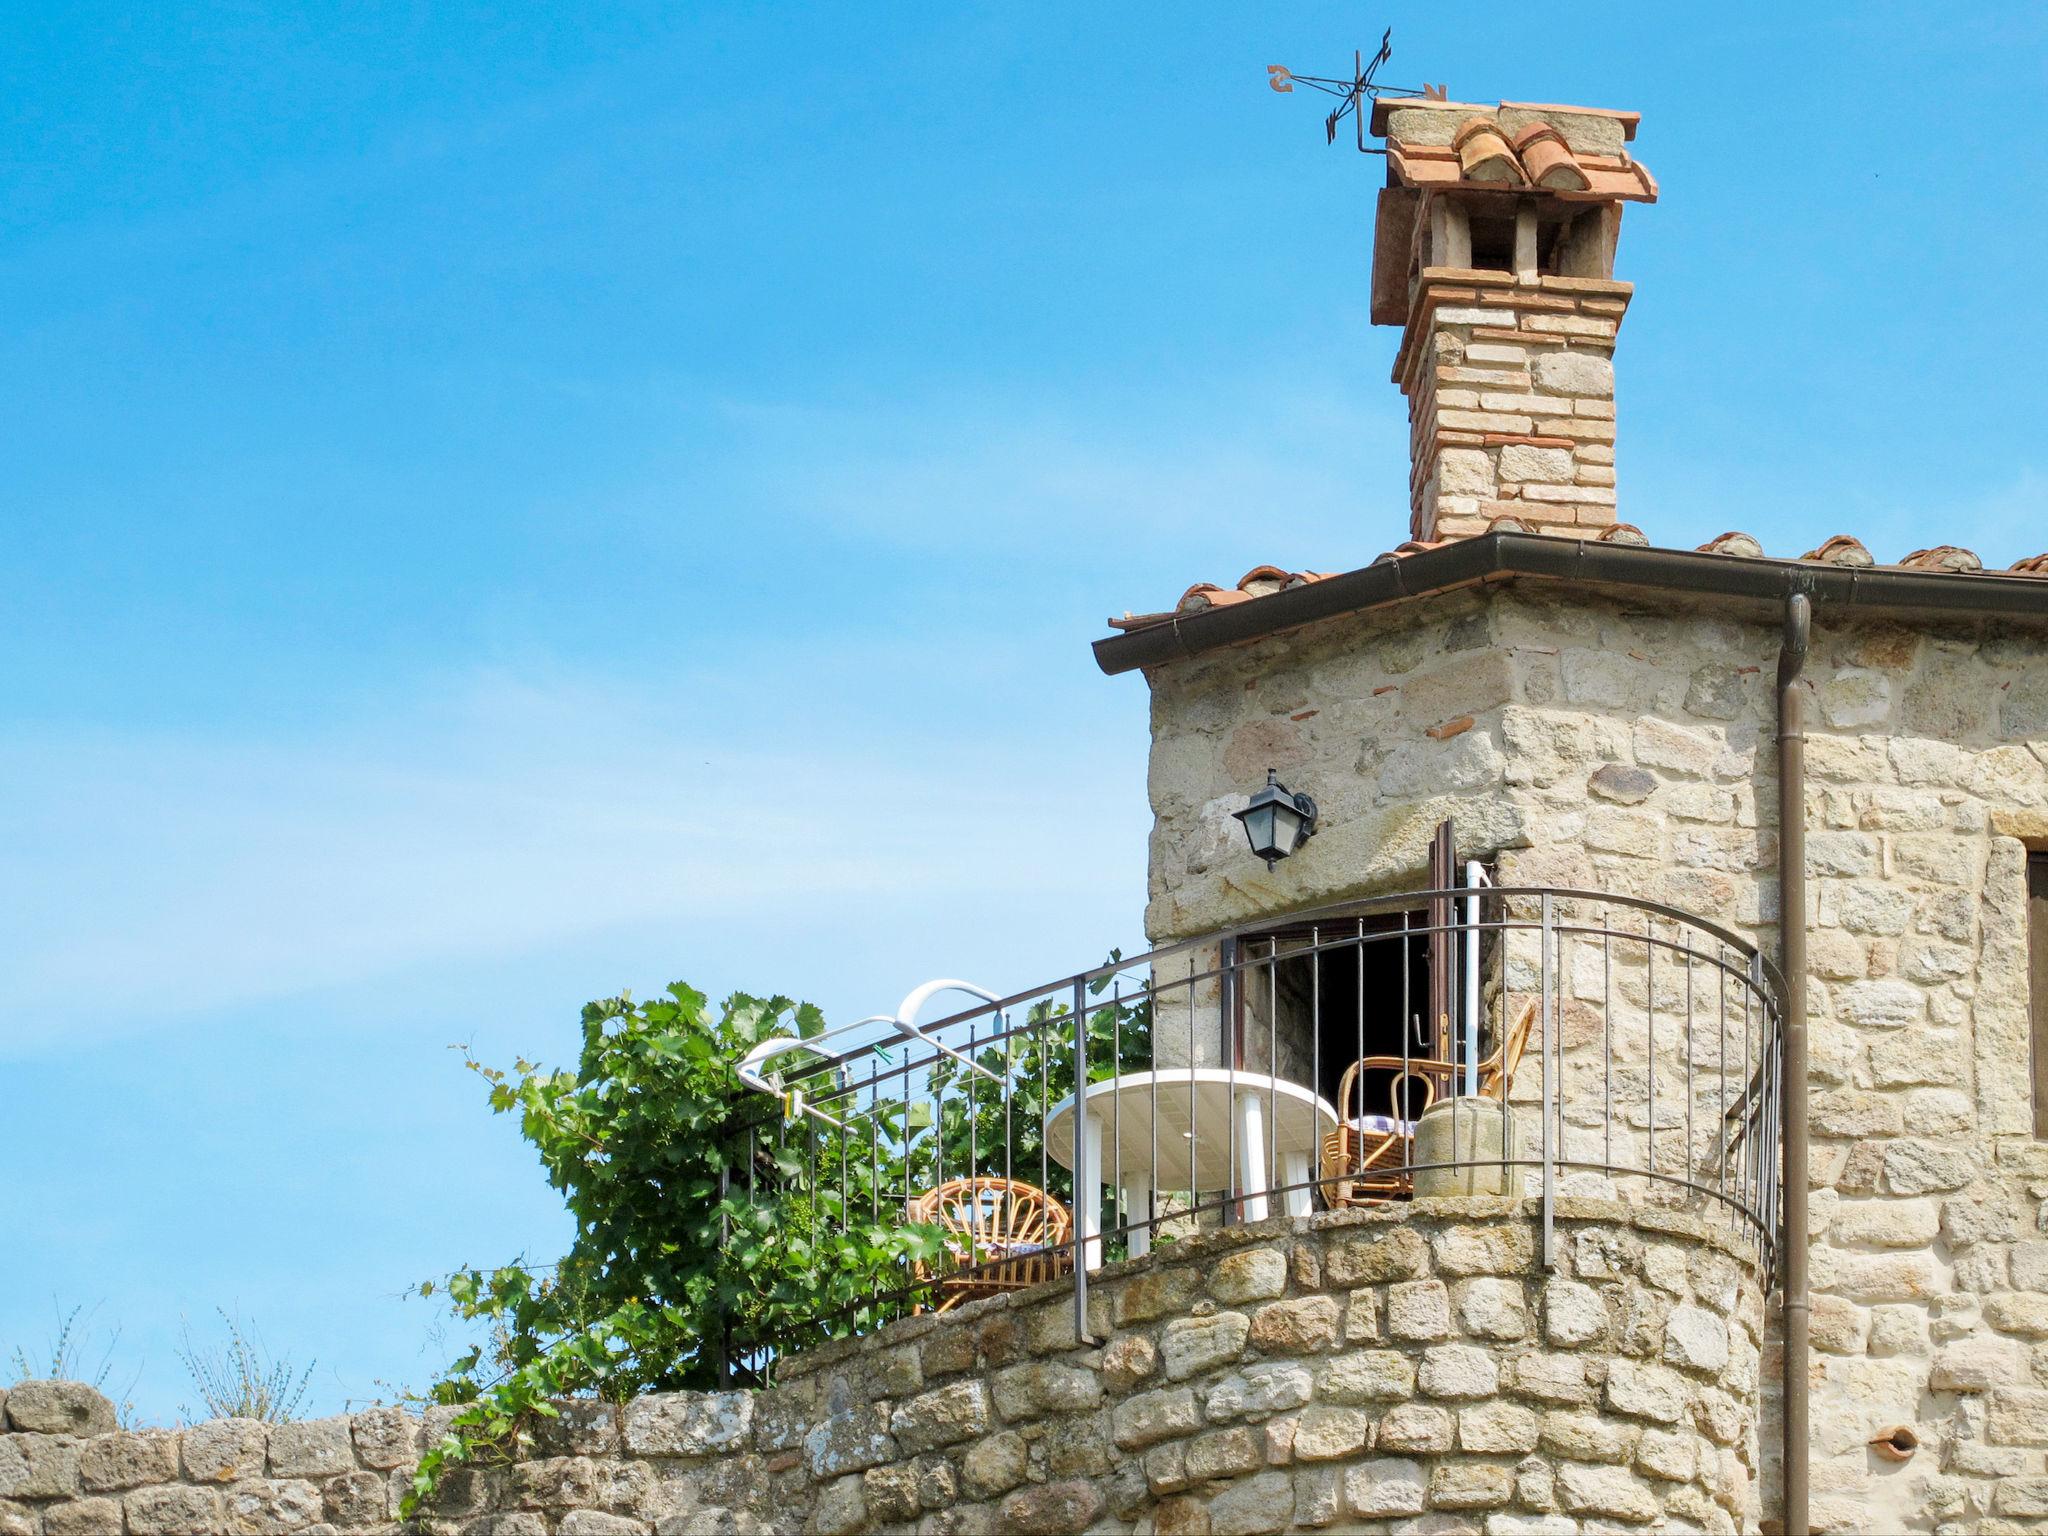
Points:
[[1397, 1369], [1510, 387], [1592, 742]]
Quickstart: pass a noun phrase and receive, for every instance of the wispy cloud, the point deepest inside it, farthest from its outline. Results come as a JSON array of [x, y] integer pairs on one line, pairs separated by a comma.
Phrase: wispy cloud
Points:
[[156, 876], [1122, 473]]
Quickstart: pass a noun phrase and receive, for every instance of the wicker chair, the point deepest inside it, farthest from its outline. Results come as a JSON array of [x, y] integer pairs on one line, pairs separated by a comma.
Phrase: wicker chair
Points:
[[1371, 1154], [1004, 1235]]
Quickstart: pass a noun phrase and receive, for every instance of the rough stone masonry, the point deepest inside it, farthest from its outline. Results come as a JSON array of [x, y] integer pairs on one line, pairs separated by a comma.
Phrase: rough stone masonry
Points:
[[1383, 1370]]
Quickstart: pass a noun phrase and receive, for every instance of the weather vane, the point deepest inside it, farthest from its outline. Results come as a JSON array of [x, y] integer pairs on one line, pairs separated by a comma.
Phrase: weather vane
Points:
[[1361, 87]]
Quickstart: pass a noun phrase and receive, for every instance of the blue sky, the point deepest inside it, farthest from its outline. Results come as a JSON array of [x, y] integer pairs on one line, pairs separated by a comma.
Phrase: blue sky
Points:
[[505, 504]]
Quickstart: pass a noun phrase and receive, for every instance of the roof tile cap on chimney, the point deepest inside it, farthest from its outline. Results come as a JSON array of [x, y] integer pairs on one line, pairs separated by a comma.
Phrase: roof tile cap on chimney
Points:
[[1549, 159], [1484, 155]]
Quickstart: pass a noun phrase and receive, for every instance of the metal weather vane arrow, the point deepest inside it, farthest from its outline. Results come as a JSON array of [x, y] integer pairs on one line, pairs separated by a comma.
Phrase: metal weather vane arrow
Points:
[[1360, 88]]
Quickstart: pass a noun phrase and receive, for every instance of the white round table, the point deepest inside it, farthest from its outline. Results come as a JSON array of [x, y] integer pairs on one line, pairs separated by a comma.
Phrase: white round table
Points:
[[1192, 1128]]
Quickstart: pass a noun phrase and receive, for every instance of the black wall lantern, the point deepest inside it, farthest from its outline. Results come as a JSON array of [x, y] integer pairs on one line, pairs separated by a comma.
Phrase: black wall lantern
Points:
[[1277, 820]]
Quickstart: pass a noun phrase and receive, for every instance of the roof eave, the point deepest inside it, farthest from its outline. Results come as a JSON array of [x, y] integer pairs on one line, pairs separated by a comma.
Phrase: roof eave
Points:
[[1498, 556]]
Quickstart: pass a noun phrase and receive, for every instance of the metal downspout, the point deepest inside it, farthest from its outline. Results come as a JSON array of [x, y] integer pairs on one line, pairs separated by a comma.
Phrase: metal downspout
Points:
[[1792, 920]]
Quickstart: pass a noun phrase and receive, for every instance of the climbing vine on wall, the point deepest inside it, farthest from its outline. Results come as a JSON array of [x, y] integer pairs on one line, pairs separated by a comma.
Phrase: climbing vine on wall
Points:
[[670, 1257]]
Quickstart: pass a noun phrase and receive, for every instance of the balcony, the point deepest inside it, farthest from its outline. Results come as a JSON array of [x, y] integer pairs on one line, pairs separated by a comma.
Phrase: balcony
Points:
[[1543, 1045]]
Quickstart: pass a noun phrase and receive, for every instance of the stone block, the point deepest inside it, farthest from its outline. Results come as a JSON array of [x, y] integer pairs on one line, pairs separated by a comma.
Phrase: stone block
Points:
[[312, 1448], [1306, 1325], [994, 1466], [1520, 462], [1646, 1391], [1331, 1432], [946, 1416], [1031, 1389], [1056, 1509], [1372, 1258], [1225, 1453], [1923, 1167], [1573, 1314], [356, 1498], [552, 1481], [1469, 1485], [591, 1522], [947, 1352], [2017, 1416], [1269, 1387], [1696, 1339], [1573, 373], [1977, 1365], [890, 1494], [261, 1506], [1421, 1429], [1483, 1250], [1166, 1467], [689, 1423], [128, 1459], [1383, 1488], [1497, 1429], [1250, 1274], [1458, 1371], [1419, 1310], [83, 1517], [1838, 1325], [1492, 1308], [1128, 1360], [38, 1466], [846, 1442], [1609, 1491], [841, 1508], [2021, 1312], [1191, 1345], [1367, 1376], [225, 1450], [1551, 1379], [1153, 1416], [386, 1437], [44, 1407], [1163, 1292], [1257, 1506], [174, 1510]]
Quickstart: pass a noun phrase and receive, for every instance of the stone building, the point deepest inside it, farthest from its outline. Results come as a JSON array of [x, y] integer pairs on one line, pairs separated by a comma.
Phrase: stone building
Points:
[[1597, 719], [1593, 712]]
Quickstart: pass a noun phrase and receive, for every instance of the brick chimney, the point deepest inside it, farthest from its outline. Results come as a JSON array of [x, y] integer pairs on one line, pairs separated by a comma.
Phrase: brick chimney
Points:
[[1494, 253]]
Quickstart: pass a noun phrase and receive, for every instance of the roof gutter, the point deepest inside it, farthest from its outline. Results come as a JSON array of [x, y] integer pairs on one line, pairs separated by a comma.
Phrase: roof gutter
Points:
[[1503, 556]]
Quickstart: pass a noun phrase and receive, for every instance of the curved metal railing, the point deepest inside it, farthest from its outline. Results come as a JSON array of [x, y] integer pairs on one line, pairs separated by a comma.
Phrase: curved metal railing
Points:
[[1651, 1073]]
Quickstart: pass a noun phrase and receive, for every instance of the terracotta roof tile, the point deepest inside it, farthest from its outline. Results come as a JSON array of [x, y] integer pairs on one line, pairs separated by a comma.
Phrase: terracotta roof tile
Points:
[[1484, 150], [1548, 160], [1841, 550], [1484, 153], [1410, 547], [1944, 557], [1732, 544]]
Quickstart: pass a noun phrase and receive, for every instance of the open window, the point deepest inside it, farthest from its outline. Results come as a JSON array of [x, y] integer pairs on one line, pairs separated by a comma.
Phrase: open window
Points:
[[1316, 997]]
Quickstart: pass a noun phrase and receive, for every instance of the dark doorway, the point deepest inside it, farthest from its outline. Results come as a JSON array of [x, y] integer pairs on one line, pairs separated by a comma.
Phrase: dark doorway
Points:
[[1318, 998]]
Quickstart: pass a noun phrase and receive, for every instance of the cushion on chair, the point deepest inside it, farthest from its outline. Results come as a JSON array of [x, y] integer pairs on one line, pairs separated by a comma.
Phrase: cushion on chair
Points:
[[1383, 1125]]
